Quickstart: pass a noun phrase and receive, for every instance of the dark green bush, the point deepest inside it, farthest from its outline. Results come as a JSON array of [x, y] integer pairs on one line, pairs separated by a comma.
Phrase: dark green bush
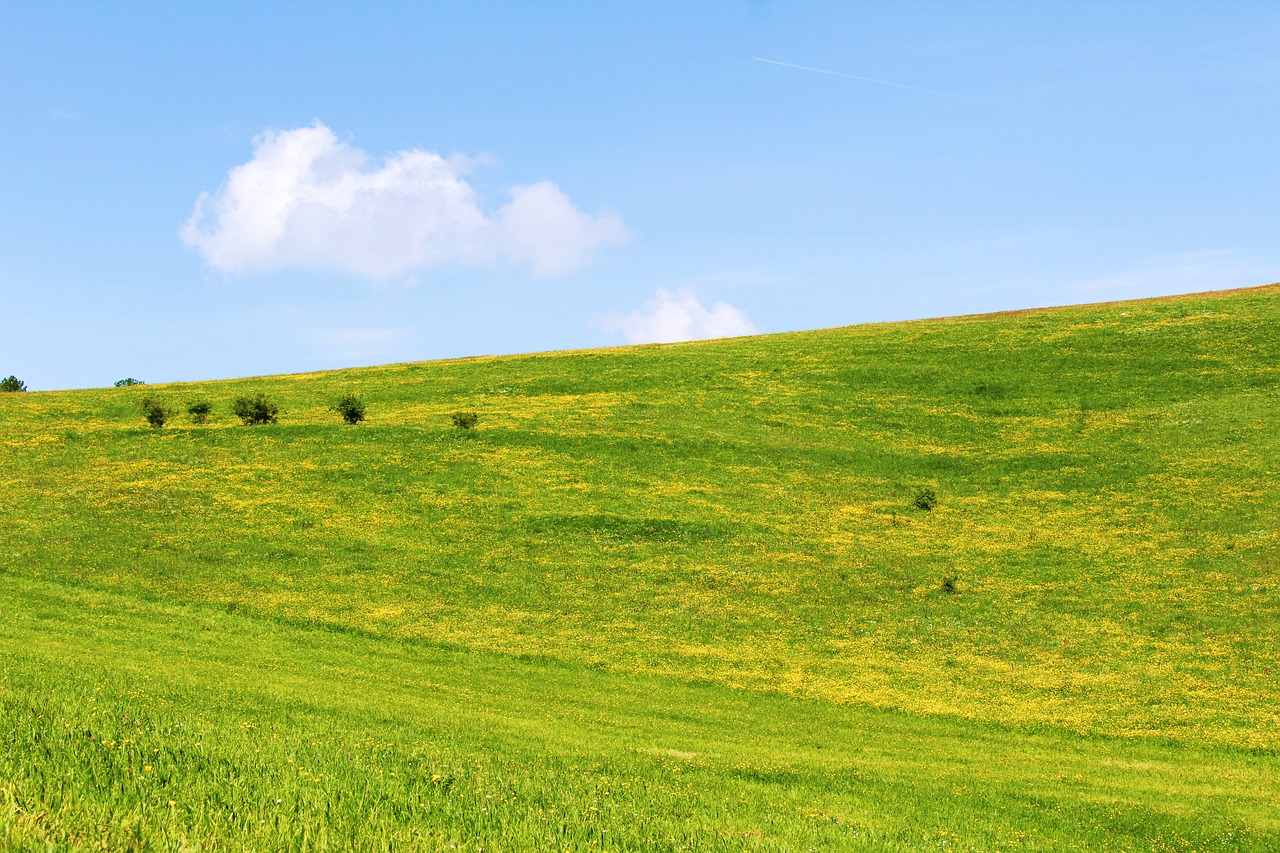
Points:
[[154, 410], [465, 420], [127, 381], [199, 411], [351, 407], [949, 584], [255, 410], [991, 390], [12, 383], [926, 500]]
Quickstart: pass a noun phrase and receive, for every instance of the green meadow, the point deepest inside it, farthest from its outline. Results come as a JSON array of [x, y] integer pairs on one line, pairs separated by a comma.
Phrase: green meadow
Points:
[[677, 597]]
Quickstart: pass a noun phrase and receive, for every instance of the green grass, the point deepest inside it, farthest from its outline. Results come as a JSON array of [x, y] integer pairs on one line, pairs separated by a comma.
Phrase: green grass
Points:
[[665, 597]]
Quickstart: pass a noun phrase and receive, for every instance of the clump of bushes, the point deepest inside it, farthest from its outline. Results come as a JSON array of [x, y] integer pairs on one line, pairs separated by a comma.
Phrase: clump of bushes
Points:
[[351, 407], [255, 410], [12, 383], [926, 500], [200, 411], [155, 411], [127, 381], [465, 420]]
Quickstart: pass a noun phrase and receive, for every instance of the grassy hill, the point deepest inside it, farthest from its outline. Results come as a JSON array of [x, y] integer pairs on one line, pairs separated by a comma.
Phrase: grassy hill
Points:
[[666, 597]]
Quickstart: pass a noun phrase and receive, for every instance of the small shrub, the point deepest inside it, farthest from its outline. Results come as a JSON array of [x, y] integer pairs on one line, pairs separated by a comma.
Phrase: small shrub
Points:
[[155, 411], [255, 410], [127, 381], [351, 407], [465, 420], [200, 411], [991, 390], [949, 584], [926, 500], [12, 383]]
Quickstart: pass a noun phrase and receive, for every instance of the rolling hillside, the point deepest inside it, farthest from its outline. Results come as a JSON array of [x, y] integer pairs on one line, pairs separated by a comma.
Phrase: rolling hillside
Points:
[[666, 597]]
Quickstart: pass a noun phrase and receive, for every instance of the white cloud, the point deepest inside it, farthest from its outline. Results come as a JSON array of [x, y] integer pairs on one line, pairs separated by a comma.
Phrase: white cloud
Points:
[[679, 316], [307, 200], [541, 227]]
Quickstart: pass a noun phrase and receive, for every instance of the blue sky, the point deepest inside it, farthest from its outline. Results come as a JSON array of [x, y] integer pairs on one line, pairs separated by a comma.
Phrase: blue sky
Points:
[[382, 182]]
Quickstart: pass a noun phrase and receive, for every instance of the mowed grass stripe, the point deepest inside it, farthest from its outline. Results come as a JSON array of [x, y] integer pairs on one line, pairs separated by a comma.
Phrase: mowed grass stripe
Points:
[[116, 707]]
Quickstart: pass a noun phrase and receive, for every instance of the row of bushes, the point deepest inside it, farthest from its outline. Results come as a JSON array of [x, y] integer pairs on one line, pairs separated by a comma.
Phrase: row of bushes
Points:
[[260, 409], [257, 409]]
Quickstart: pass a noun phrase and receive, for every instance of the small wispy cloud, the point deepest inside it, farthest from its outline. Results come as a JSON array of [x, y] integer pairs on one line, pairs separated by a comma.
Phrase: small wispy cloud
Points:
[[359, 337], [307, 200], [1188, 272], [669, 317], [359, 344], [870, 80]]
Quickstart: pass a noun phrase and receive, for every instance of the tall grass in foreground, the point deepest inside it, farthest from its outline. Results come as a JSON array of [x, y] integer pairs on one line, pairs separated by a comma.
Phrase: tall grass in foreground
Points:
[[127, 725]]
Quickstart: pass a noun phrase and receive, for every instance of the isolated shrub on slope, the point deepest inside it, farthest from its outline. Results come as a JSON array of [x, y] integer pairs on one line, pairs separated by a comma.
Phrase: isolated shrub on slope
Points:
[[12, 383], [199, 411], [351, 407], [255, 410], [155, 411]]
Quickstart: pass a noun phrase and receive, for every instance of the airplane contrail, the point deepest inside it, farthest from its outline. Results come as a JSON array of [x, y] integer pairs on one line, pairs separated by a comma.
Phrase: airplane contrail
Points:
[[869, 80]]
